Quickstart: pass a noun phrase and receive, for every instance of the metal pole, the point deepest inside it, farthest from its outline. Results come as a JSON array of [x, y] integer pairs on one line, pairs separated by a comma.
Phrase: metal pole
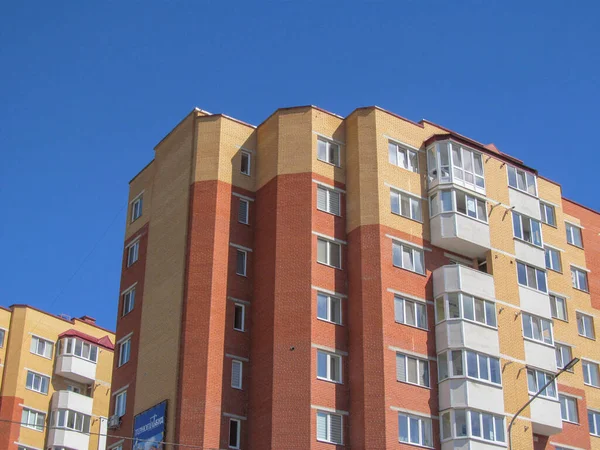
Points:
[[567, 367]]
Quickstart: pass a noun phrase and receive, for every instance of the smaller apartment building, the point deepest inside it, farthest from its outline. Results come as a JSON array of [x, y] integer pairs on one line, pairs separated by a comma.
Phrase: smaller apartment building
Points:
[[55, 381]]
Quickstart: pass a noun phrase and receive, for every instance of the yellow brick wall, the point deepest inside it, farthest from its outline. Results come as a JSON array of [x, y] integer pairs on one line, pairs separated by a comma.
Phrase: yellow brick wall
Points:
[[141, 184]]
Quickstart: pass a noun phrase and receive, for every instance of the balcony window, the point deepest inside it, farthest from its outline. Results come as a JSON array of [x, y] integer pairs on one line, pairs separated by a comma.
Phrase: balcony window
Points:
[[537, 328], [531, 276], [536, 379], [70, 420], [457, 305], [521, 180], [479, 366], [402, 156], [77, 347], [461, 423], [461, 165], [548, 214], [527, 229], [455, 200]]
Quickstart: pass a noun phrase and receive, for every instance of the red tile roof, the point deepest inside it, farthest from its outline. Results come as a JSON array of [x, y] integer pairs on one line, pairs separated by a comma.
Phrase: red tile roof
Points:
[[101, 342]]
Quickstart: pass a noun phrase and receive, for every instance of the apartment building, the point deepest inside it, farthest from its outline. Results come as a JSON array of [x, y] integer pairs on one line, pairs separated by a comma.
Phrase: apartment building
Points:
[[55, 377], [361, 282]]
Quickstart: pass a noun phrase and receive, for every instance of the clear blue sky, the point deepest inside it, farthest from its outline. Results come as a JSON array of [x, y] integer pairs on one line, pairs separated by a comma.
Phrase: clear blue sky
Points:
[[88, 88]]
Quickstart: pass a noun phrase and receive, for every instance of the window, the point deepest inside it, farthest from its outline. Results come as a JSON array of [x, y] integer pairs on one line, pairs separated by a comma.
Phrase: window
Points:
[[456, 200], [41, 347], [75, 389], [33, 419], [479, 366], [536, 379], [406, 205], [467, 165], [553, 259], [415, 430], [329, 253], [136, 208], [558, 307], [77, 347], [563, 355], [408, 258], [235, 427], [579, 279], [403, 157], [2, 334], [412, 370], [568, 409], [594, 422], [329, 427], [132, 253], [243, 211], [71, 420], [328, 152], [547, 212], [120, 403], [410, 312], [521, 180], [238, 316], [527, 229], [124, 351], [462, 306], [537, 328], [245, 163], [128, 300], [37, 382], [531, 276], [241, 262], [482, 425], [236, 374], [329, 308], [328, 200], [591, 374], [585, 325], [574, 235], [329, 366]]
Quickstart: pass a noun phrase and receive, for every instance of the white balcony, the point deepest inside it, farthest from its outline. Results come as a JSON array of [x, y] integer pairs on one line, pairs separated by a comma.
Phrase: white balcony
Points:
[[545, 416], [76, 368], [535, 302], [470, 444], [460, 333], [467, 393], [530, 253], [455, 277], [73, 401], [540, 355], [524, 203], [59, 438], [460, 234]]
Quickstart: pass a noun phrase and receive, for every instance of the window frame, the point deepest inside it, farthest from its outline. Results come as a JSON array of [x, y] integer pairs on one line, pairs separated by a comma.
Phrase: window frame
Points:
[[455, 167], [248, 155], [328, 193], [468, 425], [436, 204], [416, 304], [594, 418], [240, 364], [246, 218], [575, 280], [537, 270], [37, 414], [583, 315], [84, 420], [519, 219], [568, 398], [329, 299], [408, 153], [329, 243], [413, 251], [554, 307], [133, 253], [238, 434], [548, 251], [329, 144], [558, 350], [137, 206], [329, 358], [47, 345], [536, 373], [587, 366], [452, 373], [544, 214], [244, 255], [41, 378], [328, 439], [569, 228], [120, 403], [63, 348], [542, 320], [124, 352], [128, 297], [411, 198], [461, 309], [236, 306], [419, 375], [422, 421], [525, 178]]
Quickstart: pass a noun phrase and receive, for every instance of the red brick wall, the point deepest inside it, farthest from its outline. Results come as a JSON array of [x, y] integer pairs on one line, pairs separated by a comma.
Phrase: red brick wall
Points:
[[10, 411], [576, 435]]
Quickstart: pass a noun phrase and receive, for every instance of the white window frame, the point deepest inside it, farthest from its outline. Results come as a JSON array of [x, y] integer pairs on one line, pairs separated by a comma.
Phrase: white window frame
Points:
[[555, 311], [329, 146], [575, 280], [330, 301], [36, 341], [121, 403], [570, 230], [137, 207], [128, 301], [248, 155], [238, 434], [329, 193], [40, 381], [528, 281], [73, 342], [398, 248], [2, 336], [84, 420], [401, 304], [244, 255], [422, 428], [594, 422], [133, 253], [549, 251], [240, 365], [566, 399], [328, 438], [396, 198], [526, 179], [246, 217], [25, 421], [329, 248], [437, 205], [488, 307], [331, 358], [410, 155], [124, 351], [588, 367], [466, 152], [519, 221], [447, 369], [449, 417], [542, 325], [561, 351], [544, 215], [241, 306], [535, 374], [582, 326], [420, 374]]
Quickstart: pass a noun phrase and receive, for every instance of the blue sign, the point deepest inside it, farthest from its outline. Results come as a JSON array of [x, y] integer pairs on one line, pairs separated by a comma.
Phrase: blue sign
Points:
[[149, 428]]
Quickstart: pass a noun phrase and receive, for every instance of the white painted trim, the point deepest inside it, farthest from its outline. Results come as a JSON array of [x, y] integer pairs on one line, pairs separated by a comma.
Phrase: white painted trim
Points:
[[565, 394], [240, 247], [329, 186], [244, 149], [125, 291], [583, 358], [329, 349], [329, 138], [510, 358], [575, 225], [569, 447], [497, 250], [410, 297], [237, 358], [411, 353], [402, 191], [37, 372], [33, 409], [330, 238], [580, 268], [410, 244], [124, 338], [331, 410], [123, 389], [585, 313], [463, 261], [41, 337], [237, 300], [558, 294], [552, 247], [565, 344], [27, 446], [413, 413], [234, 416], [133, 242], [548, 202], [404, 144], [137, 196], [235, 194], [327, 291]]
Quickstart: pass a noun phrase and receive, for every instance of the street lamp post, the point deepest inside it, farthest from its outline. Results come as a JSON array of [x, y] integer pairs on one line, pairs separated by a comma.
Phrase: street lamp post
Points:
[[569, 366]]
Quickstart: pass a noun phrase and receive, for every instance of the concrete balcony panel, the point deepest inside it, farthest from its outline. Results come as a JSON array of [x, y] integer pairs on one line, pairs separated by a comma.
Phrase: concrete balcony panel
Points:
[[535, 302], [540, 356], [471, 444], [455, 277], [530, 254], [462, 333], [460, 234], [524, 203], [61, 438], [545, 416], [76, 369], [73, 401], [468, 393]]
